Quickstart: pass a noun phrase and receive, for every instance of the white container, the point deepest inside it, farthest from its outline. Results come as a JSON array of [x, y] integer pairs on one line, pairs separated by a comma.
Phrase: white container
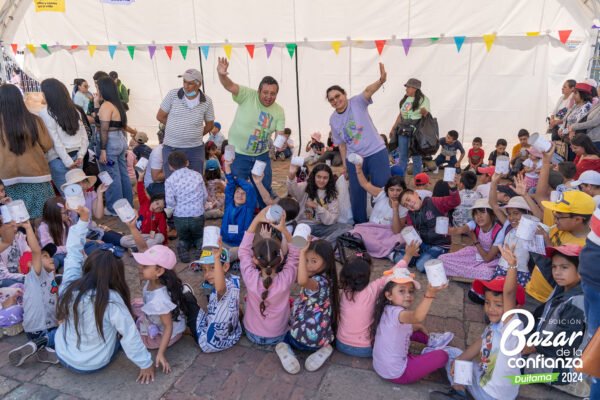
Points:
[[463, 372], [441, 225], [211, 237], [554, 196], [297, 161], [279, 141], [301, 234], [74, 195], [355, 158], [409, 234], [229, 152], [18, 211], [124, 210], [539, 142], [169, 212], [436, 275], [527, 227], [449, 174], [6, 217], [259, 168], [502, 165], [105, 178], [274, 214], [142, 164]]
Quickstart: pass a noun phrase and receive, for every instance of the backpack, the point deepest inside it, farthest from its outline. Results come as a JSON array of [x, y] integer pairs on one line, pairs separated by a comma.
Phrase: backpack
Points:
[[347, 245], [426, 140], [495, 231]]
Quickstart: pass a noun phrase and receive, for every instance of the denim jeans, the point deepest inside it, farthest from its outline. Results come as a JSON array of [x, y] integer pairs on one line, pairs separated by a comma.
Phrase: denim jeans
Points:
[[11, 281], [242, 165], [195, 156], [591, 298], [427, 252], [441, 159], [190, 230], [297, 345], [116, 149], [264, 341], [58, 171], [363, 352], [403, 149], [51, 335]]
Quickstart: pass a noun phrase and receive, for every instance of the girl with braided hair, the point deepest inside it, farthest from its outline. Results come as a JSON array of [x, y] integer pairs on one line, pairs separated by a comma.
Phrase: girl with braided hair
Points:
[[268, 282]]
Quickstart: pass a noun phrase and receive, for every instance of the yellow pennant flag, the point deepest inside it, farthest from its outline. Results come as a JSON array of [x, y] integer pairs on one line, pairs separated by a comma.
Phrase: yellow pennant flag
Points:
[[49, 5], [336, 46], [31, 48], [91, 49], [227, 48], [532, 33], [489, 40]]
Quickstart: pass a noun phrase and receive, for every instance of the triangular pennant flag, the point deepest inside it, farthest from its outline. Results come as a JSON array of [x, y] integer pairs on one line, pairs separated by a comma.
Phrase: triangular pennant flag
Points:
[[250, 48], [434, 39], [291, 48], [111, 50], [489, 41], [406, 43], [45, 47], [74, 46], [564, 35], [131, 50], [31, 48], [380, 44], [336, 46], [204, 50], [532, 33], [14, 47], [91, 49], [269, 48], [459, 40], [169, 51], [151, 50], [227, 48], [183, 50]]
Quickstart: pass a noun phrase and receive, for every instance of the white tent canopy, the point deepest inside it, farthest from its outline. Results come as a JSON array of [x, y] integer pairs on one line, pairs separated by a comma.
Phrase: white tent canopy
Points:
[[479, 93]]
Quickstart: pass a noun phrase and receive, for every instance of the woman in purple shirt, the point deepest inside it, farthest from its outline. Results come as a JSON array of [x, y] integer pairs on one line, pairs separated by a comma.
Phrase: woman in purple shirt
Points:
[[354, 132]]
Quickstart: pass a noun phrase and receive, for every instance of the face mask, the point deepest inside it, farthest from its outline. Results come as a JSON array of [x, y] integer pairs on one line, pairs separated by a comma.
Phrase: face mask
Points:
[[190, 94]]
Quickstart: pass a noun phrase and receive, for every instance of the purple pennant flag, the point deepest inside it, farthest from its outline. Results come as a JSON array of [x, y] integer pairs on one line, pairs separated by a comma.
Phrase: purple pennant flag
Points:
[[269, 47], [406, 43], [151, 50]]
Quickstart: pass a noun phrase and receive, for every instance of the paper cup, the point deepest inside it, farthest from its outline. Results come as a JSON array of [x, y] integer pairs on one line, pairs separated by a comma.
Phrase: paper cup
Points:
[[301, 235], [169, 212], [279, 141], [554, 196], [142, 164], [297, 161], [6, 217], [18, 211], [259, 168], [355, 158], [74, 195], [463, 372], [527, 227], [502, 165], [274, 214], [105, 178], [441, 225], [229, 152], [449, 174], [436, 274], [539, 142], [211, 237], [409, 234], [124, 210]]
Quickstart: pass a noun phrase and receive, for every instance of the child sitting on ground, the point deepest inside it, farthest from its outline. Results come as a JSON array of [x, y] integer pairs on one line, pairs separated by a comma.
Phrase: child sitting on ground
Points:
[[499, 151], [13, 245], [240, 202], [287, 148], [216, 136], [422, 184], [449, 146], [568, 170], [462, 213], [532, 167], [211, 152], [589, 182], [476, 155], [215, 189], [315, 148], [54, 227], [519, 152], [485, 181]]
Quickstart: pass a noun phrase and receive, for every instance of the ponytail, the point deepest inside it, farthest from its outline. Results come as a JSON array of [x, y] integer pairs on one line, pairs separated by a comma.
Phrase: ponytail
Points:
[[268, 254]]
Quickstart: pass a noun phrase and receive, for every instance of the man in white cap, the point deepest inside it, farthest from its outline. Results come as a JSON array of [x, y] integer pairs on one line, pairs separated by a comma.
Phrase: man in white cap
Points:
[[188, 115], [589, 182]]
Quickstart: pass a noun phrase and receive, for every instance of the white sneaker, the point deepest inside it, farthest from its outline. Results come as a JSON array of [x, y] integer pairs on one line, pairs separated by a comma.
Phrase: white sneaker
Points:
[[288, 358], [318, 358], [439, 340], [436, 171], [108, 213]]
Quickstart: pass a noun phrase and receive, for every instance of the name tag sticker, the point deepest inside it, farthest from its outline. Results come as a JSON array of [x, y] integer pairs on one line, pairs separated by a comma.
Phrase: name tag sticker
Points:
[[233, 229]]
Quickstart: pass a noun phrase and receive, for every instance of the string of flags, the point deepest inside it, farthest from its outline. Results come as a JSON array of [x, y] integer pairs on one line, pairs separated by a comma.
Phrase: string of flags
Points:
[[488, 40]]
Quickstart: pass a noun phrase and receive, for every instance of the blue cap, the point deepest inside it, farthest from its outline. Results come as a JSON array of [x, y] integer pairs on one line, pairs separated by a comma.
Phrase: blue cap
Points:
[[397, 170], [212, 165], [218, 125], [207, 257]]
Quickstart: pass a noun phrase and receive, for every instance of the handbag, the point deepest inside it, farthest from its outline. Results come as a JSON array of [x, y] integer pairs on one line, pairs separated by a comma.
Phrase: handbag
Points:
[[347, 246], [426, 140], [591, 357]]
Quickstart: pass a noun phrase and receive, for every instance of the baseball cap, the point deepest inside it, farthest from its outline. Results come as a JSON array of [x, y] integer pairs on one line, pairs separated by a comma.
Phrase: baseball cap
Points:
[[157, 255], [497, 285], [584, 87], [50, 248], [316, 136], [589, 178], [487, 170], [212, 165], [397, 170], [421, 179], [571, 250], [217, 125], [191, 75], [572, 202], [207, 257], [141, 137], [401, 275], [534, 152]]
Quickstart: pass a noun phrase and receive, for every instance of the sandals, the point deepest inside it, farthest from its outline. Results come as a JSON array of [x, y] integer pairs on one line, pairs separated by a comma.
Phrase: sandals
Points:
[[288, 359], [318, 358]]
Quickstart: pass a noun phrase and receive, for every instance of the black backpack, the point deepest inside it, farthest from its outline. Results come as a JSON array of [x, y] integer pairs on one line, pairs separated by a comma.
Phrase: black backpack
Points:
[[426, 140], [347, 245]]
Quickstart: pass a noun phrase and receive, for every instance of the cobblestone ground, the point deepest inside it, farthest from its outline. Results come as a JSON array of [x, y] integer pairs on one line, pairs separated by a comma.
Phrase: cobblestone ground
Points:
[[246, 371]]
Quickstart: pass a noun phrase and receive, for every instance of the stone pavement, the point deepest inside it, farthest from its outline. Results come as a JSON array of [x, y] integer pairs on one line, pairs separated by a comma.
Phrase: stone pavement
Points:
[[246, 371]]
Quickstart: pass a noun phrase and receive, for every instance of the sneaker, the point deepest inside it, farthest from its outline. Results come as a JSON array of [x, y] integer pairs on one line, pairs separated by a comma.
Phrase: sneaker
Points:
[[18, 356], [108, 213], [183, 253], [288, 358], [451, 394], [47, 355], [318, 358], [436, 171], [439, 340]]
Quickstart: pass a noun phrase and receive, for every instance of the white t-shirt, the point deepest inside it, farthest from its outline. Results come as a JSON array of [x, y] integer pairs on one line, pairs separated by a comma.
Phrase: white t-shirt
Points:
[[191, 103], [156, 303], [155, 161], [383, 213], [423, 194], [484, 190], [520, 251]]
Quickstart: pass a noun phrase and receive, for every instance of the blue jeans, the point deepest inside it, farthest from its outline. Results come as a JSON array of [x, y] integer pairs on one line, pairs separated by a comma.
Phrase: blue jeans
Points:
[[263, 341], [441, 159], [58, 171], [403, 148], [242, 165], [591, 298], [51, 335], [116, 149], [195, 156], [297, 345], [190, 231], [363, 352], [376, 168], [11, 281], [427, 252]]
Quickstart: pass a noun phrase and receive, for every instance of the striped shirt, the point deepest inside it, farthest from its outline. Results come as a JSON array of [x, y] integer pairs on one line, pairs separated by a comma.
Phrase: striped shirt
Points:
[[185, 125]]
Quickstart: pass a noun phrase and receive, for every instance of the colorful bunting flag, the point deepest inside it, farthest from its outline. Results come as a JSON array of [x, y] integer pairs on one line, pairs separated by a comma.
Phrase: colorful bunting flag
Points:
[[169, 51], [74, 46], [31, 48], [45, 47], [91, 49], [14, 47], [269, 48], [564, 35], [406, 43], [336, 46], [227, 48], [434, 39], [131, 50], [380, 44], [111, 50], [204, 50], [532, 33], [151, 50], [489, 41], [183, 50], [291, 48], [459, 40], [250, 48]]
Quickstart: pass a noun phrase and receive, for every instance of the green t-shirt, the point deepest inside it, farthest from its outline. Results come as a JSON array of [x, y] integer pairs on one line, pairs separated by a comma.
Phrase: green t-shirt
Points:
[[254, 123], [407, 108]]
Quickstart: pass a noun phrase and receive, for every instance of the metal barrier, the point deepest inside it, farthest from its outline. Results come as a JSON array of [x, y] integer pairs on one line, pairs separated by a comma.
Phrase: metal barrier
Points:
[[10, 72]]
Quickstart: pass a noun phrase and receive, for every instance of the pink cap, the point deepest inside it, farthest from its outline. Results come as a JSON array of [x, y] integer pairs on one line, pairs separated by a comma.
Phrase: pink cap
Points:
[[534, 152], [487, 170], [157, 255], [316, 136]]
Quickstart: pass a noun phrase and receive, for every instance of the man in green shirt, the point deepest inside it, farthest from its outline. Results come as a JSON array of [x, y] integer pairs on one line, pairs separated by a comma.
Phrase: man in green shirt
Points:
[[121, 89]]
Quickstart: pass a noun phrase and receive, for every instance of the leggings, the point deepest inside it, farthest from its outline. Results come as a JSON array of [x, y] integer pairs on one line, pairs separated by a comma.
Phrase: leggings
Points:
[[419, 366]]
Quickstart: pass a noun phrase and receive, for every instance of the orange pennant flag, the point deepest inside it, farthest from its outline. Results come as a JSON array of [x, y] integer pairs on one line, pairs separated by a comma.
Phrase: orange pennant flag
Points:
[[380, 44], [169, 51], [14, 47], [250, 48], [564, 35]]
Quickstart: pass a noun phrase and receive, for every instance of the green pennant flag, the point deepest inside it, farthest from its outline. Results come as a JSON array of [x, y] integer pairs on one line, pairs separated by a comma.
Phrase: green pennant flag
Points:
[[291, 48], [434, 39], [45, 47], [131, 50], [183, 50]]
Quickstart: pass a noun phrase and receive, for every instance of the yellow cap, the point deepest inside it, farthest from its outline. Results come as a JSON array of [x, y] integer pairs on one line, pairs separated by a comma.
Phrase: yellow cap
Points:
[[572, 202]]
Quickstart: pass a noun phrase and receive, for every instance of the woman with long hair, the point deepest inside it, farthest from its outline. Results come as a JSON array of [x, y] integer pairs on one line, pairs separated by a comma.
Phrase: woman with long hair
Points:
[[113, 142], [587, 156], [23, 141]]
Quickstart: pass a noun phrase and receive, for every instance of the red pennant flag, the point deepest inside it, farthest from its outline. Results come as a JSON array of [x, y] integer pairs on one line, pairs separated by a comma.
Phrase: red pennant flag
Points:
[[169, 50], [380, 44], [14, 47], [74, 46], [250, 48], [564, 35]]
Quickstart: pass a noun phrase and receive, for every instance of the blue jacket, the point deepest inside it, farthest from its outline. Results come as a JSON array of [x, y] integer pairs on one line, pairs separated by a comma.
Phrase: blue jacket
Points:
[[237, 219]]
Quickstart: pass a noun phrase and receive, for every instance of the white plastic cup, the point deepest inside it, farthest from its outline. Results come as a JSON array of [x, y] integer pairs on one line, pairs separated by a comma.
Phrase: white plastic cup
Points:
[[124, 210], [18, 211], [355, 158], [298, 161], [105, 178], [169, 212], [290, 142], [259, 168], [274, 214], [554, 196], [328, 163], [449, 174], [436, 275], [229, 152], [6, 217], [502, 165], [279, 141], [441, 225], [463, 372], [527, 227], [74, 195], [409, 234], [301, 234], [211, 237], [142, 164], [539, 142]]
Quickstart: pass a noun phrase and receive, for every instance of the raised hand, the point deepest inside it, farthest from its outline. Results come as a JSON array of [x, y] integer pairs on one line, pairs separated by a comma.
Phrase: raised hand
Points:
[[382, 73], [222, 66]]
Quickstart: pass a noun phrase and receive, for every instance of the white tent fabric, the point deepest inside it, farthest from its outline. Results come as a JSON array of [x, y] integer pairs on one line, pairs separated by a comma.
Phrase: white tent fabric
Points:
[[489, 94]]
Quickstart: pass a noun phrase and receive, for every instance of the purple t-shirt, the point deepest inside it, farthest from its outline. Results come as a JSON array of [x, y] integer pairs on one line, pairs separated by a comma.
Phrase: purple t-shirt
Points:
[[355, 128], [392, 340]]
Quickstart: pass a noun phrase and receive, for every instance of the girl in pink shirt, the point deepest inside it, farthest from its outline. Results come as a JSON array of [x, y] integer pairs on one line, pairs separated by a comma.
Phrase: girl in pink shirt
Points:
[[268, 282], [54, 228]]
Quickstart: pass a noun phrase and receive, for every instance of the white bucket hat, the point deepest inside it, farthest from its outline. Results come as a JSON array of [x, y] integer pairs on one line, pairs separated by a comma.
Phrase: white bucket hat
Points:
[[77, 175], [518, 202]]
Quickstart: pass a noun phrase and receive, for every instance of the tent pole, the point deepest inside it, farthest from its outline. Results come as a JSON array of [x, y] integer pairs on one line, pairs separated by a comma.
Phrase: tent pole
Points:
[[201, 68], [298, 105]]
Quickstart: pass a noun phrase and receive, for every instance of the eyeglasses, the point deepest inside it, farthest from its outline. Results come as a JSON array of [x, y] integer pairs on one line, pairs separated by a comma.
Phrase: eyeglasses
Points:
[[559, 217], [334, 98]]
